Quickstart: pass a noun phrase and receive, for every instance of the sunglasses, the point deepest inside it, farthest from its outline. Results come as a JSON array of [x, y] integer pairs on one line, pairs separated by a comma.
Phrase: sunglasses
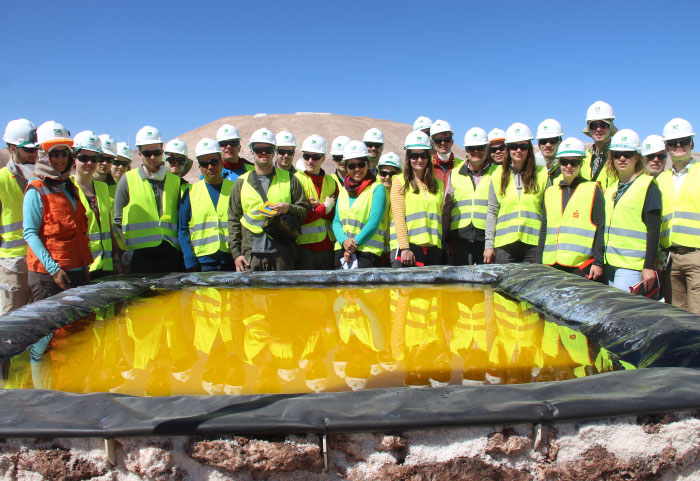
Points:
[[552, 141], [375, 145], [417, 155], [497, 148], [476, 148], [337, 158], [598, 125], [88, 158], [617, 154], [206, 163], [358, 165], [55, 154], [652, 157], [107, 160], [285, 152], [151, 153], [523, 147], [386, 173], [571, 162], [263, 150], [229, 143], [121, 163], [30, 150], [440, 140], [175, 160], [684, 142], [313, 157]]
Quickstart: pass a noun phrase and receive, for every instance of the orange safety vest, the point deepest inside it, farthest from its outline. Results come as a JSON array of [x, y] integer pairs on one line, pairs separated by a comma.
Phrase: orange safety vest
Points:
[[63, 231]]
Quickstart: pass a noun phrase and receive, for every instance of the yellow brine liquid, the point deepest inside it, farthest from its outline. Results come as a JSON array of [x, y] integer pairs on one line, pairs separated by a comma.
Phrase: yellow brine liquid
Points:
[[300, 340]]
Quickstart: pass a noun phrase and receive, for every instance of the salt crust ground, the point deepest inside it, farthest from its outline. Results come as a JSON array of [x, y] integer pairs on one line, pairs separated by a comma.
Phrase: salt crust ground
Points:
[[665, 447]]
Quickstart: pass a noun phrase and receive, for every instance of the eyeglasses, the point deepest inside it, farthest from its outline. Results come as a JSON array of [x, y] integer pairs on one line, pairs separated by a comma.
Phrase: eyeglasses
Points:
[[375, 145], [386, 173], [30, 150], [553, 141], [417, 155], [55, 154], [617, 154], [440, 140], [121, 163], [571, 162], [497, 148], [229, 143], [313, 157], [263, 150], [151, 153], [206, 163], [88, 158], [598, 125], [285, 152], [652, 157], [358, 165], [107, 160], [684, 142], [337, 158], [523, 147], [176, 160], [476, 148]]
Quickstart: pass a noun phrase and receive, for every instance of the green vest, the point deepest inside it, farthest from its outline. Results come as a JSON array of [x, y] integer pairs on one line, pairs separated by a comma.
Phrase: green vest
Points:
[[99, 229], [470, 204], [519, 219], [423, 217], [680, 222], [353, 218], [11, 229], [317, 230], [251, 202], [625, 232], [603, 178], [570, 235], [112, 189], [208, 229], [141, 225]]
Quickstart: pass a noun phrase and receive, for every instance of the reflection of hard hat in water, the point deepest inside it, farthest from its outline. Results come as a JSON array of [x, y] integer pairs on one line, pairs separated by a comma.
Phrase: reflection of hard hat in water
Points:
[[233, 390], [356, 383], [287, 375], [317, 385]]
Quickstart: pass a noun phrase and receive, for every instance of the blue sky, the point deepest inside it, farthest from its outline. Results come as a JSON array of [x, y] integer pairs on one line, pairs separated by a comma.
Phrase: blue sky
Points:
[[115, 66]]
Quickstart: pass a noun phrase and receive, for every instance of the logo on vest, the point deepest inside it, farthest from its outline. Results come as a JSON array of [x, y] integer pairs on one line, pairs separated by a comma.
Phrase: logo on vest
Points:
[[575, 215]]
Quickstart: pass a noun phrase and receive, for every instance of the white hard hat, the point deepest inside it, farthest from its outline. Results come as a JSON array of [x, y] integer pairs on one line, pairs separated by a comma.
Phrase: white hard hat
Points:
[[124, 151], [497, 134], [599, 110], [626, 140], [374, 135], [475, 136], [440, 126], [417, 140], [548, 129], [678, 129], [355, 150], [88, 140], [20, 132], [422, 123], [571, 147], [390, 159], [285, 139], [518, 132], [51, 134], [109, 147], [176, 146], [339, 144], [206, 146], [148, 135], [652, 144], [227, 132], [262, 136], [315, 144]]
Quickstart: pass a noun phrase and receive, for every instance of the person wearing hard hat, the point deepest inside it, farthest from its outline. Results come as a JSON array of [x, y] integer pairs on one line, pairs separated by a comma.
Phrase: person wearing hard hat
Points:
[[655, 154], [374, 140], [497, 146], [467, 202], [443, 159], [680, 229], [177, 161], [423, 124], [54, 225], [573, 217], [94, 195], [360, 218], [122, 163], [549, 135], [416, 207], [286, 145], [230, 142], [265, 193], [515, 202], [632, 216], [316, 238], [103, 171], [337, 148], [145, 209], [389, 165], [600, 127], [20, 137], [203, 214]]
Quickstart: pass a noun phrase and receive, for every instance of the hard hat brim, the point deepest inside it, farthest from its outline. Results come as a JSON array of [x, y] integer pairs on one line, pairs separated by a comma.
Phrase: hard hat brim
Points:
[[49, 145]]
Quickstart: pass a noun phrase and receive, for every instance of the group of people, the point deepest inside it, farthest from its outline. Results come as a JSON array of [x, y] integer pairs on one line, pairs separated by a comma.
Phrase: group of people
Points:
[[72, 210]]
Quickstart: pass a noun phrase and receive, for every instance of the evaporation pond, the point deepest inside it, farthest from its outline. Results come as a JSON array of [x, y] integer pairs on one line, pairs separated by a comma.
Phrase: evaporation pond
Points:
[[299, 340]]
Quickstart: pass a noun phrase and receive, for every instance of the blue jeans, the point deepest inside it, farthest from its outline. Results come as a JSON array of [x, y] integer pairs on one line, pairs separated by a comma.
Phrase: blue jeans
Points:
[[621, 278]]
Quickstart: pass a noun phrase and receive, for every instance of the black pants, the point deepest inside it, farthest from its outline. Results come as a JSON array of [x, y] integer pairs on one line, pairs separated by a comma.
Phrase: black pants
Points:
[[433, 256], [42, 285], [466, 253], [157, 260], [364, 259], [515, 253]]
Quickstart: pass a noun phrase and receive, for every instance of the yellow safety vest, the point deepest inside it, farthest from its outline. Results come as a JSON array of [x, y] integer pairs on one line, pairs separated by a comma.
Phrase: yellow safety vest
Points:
[[625, 232], [99, 230], [317, 230], [471, 205], [519, 219], [251, 202], [570, 235], [353, 219], [208, 229], [11, 197], [603, 178], [141, 224], [112, 188], [680, 222], [423, 217]]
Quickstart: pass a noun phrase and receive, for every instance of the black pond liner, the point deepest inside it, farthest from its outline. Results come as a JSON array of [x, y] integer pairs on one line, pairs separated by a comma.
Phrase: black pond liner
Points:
[[649, 334]]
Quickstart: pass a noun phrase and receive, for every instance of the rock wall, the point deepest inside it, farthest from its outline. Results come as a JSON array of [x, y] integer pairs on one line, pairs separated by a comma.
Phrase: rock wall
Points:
[[665, 447]]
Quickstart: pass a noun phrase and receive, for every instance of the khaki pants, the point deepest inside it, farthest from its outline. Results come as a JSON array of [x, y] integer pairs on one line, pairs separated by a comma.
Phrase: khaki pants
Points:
[[685, 281], [14, 290]]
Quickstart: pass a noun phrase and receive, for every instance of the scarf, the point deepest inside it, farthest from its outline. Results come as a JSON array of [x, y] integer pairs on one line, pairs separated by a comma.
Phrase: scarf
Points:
[[446, 164], [44, 170], [355, 188]]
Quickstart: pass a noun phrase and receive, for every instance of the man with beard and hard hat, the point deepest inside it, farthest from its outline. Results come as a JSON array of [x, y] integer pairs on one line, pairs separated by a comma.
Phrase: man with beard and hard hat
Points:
[[177, 162], [286, 146], [549, 135], [600, 127], [655, 154], [374, 140], [443, 159], [230, 143], [103, 171]]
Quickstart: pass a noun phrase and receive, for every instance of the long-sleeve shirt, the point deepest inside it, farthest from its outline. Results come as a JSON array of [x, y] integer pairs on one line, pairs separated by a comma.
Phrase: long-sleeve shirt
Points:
[[376, 213]]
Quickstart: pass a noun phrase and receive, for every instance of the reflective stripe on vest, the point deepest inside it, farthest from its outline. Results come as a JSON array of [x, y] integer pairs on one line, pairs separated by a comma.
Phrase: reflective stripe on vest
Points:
[[353, 219], [208, 229], [423, 212], [142, 227], [251, 202], [625, 231], [317, 230], [99, 228], [519, 219], [570, 235], [11, 228], [471, 204], [680, 222]]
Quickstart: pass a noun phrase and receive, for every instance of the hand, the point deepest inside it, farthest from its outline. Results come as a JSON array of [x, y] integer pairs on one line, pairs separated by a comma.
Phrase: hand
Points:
[[489, 256], [408, 258], [61, 279], [596, 272], [350, 245], [314, 203], [281, 207], [241, 264], [648, 277]]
